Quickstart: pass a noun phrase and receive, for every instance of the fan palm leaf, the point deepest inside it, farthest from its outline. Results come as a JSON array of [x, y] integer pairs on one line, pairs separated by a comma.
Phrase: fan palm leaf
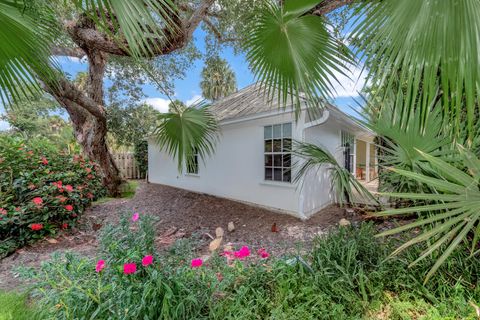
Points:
[[344, 185], [25, 51], [292, 54], [186, 131], [452, 209], [435, 47]]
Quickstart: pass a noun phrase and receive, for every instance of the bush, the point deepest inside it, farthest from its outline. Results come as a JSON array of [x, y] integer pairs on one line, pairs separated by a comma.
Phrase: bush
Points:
[[41, 190], [141, 156], [346, 276], [14, 306]]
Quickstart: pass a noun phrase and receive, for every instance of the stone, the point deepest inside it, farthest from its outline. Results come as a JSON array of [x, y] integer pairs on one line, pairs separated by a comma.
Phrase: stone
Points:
[[219, 232], [215, 244], [344, 222], [231, 226]]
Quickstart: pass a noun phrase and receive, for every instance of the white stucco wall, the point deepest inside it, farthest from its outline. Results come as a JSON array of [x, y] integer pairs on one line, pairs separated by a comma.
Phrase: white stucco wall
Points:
[[236, 170]]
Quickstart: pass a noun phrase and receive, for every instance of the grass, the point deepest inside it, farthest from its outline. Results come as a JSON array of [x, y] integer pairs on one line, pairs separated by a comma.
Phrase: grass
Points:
[[127, 192], [14, 306]]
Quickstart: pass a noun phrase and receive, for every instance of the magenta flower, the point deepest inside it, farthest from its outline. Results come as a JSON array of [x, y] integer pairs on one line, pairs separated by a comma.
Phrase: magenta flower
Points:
[[263, 253], [242, 253], [135, 217], [129, 268], [196, 263], [147, 260], [100, 265]]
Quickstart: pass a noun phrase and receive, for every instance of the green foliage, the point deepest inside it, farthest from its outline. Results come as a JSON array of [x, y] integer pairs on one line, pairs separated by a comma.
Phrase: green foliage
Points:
[[344, 185], [180, 133], [141, 156], [218, 79], [346, 275], [14, 306], [292, 54], [42, 190]]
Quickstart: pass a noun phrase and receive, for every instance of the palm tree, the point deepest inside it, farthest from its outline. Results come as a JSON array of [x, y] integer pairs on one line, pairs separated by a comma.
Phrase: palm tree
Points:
[[218, 79]]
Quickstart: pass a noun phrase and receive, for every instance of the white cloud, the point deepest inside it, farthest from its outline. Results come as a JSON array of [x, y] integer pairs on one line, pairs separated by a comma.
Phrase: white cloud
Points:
[[158, 103], [350, 85], [192, 100], [4, 125]]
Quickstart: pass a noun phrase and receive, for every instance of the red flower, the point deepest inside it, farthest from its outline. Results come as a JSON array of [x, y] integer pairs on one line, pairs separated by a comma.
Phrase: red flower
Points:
[[147, 260], [36, 226], [129, 268], [100, 265], [38, 201], [263, 253], [196, 263], [59, 183], [61, 198], [18, 209], [69, 188], [65, 226], [88, 170], [242, 253], [44, 161], [3, 211], [90, 195], [90, 177], [69, 207]]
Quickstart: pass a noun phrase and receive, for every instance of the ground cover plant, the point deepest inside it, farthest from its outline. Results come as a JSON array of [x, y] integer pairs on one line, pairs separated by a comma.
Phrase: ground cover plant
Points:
[[42, 190], [345, 276]]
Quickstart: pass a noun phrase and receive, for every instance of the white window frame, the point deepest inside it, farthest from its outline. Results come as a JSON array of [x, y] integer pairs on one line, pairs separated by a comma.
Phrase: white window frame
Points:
[[281, 153]]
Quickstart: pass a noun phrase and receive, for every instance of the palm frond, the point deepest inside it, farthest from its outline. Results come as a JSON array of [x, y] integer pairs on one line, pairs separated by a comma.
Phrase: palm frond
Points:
[[293, 55], [452, 209], [432, 46], [344, 185], [144, 24], [187, 131], [24, 53]]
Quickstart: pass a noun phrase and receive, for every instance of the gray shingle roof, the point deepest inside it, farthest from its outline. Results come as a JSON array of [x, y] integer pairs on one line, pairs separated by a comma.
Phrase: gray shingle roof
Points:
[[247, 101]]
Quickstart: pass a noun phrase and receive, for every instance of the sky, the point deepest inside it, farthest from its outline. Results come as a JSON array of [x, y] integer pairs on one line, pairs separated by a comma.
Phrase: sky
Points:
[[188, 89]]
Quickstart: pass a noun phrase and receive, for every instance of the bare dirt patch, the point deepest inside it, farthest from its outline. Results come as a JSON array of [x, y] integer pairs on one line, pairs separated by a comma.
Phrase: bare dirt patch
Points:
[[180, 213]]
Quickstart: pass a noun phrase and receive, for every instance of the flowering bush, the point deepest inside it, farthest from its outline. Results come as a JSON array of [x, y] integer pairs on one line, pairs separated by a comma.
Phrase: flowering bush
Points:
[[41, 190]]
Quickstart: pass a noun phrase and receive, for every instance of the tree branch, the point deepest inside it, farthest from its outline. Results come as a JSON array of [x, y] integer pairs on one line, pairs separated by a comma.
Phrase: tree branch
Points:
[[69, 52], [217, 33], [327, 6]]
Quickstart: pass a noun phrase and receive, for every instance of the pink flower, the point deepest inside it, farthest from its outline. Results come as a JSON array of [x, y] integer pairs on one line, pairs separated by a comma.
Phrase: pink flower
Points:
[[129, 268], [44, 161], [196, 263], [36, 226], [135, 217], [242, 253], [69, 188], [147, 260], [100, 265], [3, 211], [263, 253], [37, 200], [69, 207]]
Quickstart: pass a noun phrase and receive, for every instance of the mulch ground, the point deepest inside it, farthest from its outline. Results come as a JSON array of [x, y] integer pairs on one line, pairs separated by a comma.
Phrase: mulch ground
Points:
[[180, 214]]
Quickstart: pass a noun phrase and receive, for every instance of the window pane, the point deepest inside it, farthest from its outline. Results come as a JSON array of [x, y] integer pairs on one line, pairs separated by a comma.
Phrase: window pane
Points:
[[287, 145], [268, 145], [268, 174], [277, 145], [277, 131], [277, 160], [287, 160], [267, 132], [287, 175], [277, 174], [287, 130], [268, 160]]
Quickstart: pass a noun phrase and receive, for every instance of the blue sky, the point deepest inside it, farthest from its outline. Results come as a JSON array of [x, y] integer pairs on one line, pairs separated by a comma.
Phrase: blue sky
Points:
[[188, 89]]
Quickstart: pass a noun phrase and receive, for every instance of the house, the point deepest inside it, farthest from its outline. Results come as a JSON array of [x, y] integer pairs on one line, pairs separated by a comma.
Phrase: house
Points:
[[252, 162]]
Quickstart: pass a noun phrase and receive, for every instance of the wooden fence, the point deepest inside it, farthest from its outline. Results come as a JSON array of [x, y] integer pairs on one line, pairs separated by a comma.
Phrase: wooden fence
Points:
[[127, 166]]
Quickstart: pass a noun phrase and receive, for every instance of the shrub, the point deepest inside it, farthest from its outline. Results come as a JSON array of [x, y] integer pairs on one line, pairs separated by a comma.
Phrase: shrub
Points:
[[41, 190], [14, 306], [346, 276]]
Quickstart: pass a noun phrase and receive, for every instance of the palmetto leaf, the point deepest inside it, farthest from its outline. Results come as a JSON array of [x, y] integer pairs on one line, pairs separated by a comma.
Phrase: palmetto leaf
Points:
[[24, 53], [142, 23], [344, 184], [433, 44], [186, 131], [455, 208], [292, 53]]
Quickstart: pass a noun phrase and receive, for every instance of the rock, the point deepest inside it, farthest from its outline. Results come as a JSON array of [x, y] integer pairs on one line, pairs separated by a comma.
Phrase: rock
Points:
[[215, 244], [52, 241], [219, 232], [350, 212], [344, 222], [231, 226]]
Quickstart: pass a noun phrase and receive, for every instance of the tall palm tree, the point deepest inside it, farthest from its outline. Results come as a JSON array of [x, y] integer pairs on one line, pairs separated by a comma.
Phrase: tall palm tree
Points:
[[218, 79]]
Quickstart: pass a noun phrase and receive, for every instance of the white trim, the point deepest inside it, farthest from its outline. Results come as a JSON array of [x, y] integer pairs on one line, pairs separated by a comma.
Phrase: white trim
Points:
[[280, 184], [255, 116], [317, 122]]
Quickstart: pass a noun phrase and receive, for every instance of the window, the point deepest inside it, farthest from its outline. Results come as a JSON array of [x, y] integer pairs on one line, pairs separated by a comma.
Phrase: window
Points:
[[348, 141], [278, 152], [192, 163]]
